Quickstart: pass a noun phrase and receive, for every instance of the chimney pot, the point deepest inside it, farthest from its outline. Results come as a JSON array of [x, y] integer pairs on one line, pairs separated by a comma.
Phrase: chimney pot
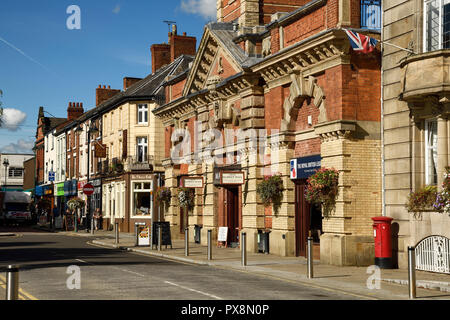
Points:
[[184, 34], [109, 87]]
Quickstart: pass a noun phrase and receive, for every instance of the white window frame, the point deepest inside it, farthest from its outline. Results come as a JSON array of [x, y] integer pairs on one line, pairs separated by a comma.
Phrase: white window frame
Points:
[[427, 148], [142, 109], [144, 146], [132, 192]]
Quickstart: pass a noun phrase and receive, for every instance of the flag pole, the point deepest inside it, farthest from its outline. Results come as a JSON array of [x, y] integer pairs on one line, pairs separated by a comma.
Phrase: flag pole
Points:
[[409, 50]]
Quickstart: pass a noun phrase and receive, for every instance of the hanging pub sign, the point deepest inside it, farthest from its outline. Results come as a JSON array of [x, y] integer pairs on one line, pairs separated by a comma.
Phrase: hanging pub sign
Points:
[[304, 167], [100, 150], [192, 182]]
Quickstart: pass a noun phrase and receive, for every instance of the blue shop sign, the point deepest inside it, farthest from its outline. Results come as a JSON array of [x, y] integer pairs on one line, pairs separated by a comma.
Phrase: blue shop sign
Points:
[[302, 168], [39, 191], [70, 188]]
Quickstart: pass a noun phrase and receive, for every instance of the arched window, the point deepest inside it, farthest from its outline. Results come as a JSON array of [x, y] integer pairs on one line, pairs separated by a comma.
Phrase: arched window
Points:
[[436, 25]]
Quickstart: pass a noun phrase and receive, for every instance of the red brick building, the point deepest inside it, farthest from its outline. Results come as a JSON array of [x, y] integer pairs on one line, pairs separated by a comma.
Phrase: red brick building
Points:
[[282, 71]]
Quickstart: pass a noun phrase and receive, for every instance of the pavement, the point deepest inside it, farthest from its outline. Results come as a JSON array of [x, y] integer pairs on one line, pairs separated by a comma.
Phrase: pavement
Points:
[[362, 282]]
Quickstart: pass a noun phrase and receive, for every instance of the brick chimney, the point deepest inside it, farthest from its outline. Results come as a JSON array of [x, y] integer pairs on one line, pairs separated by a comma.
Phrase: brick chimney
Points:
[[103, 94], [180, 45], [74, 110], [163, 54], [160, 55], [129, 81]]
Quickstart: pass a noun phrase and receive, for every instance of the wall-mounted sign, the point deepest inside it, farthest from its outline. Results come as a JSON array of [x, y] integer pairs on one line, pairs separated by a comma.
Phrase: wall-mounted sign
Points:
[[302, 168], [51, 176], [59, 189], [192, 182], [231, 177]]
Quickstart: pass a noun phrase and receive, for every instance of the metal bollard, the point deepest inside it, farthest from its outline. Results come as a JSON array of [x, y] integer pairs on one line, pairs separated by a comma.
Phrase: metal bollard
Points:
[[12, 283], [159, 237], [412, 272], [186, 242], [76, 221], [136, 235], [244, 249], [209, 245], [310, 258], [116, 231]]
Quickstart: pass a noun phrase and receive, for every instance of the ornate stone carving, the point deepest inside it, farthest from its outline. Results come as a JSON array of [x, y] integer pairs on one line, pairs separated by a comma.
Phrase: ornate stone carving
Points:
[[302, 88]]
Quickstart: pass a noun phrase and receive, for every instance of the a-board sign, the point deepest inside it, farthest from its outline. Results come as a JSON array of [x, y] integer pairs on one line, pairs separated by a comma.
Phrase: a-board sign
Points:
[[58, 222], [223, 233], [165, 235], [143, 234]]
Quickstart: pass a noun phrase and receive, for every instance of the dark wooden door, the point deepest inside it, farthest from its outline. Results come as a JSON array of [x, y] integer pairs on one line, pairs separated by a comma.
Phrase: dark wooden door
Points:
[[233, 215], [302, 218]]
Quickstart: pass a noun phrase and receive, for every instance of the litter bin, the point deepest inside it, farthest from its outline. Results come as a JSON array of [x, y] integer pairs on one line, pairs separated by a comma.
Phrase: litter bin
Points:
[[197, 233], [263, 241], [383, 242]]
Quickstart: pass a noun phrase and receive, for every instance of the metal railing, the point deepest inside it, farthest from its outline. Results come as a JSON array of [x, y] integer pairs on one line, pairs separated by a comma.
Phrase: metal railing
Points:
[[433, 254]]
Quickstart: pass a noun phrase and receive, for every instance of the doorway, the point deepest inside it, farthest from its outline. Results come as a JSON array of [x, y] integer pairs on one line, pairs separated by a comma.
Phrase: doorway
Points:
[[232, 216], [308, 218]]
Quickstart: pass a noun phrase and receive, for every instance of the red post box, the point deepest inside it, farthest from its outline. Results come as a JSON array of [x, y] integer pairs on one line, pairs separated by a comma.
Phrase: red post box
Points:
[[383, 242]]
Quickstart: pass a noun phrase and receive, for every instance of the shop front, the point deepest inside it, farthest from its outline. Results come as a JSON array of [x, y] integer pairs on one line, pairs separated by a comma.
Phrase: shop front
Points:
[[308, 217], [60, 198]]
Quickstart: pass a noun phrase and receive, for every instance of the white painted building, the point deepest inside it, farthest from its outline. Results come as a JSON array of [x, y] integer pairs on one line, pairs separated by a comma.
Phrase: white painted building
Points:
[[11, 176]]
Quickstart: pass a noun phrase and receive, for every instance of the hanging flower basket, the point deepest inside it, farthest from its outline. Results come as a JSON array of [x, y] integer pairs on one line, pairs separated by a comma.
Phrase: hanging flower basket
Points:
[[75, 203], [323, 189], [442, 202], [186, 198], [164, 196], [271, 192]]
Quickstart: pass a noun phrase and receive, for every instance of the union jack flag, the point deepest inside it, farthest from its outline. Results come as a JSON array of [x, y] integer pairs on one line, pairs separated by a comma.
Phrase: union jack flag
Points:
[[360, 42]]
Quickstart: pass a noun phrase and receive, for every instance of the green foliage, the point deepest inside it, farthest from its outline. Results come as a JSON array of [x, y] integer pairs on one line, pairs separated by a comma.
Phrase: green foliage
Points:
[[75, 203], [186, 198], [322, 189], [421, 200], [271, 191]]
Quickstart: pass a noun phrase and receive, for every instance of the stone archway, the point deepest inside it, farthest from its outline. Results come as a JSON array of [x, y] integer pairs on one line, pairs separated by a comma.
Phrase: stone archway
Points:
[[302, 88]]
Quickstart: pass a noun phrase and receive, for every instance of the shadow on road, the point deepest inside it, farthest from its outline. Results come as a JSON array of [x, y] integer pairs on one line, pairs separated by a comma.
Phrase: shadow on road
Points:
[[28, 256]]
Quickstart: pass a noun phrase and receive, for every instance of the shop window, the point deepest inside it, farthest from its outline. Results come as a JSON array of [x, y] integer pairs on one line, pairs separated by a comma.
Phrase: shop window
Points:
[[371, 14], [431, 151], [142, 203]]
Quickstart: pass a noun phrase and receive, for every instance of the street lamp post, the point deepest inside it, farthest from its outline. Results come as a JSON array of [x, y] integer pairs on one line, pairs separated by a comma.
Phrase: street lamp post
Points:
[[91, 130], [6, 164]]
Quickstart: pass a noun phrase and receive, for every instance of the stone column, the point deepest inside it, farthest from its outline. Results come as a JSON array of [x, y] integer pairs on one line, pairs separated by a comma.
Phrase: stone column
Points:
[[172, 213], [210, 205]]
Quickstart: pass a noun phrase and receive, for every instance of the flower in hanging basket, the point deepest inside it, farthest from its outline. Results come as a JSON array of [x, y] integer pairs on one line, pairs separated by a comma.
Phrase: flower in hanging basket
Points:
[[270, 190], [186, 197], [164, 195], [442, 202], [422, 200], [75, 203], [322, 188]]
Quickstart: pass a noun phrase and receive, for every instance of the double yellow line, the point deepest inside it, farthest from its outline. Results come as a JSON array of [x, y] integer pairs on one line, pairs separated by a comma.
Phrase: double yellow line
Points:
[[23, 295]]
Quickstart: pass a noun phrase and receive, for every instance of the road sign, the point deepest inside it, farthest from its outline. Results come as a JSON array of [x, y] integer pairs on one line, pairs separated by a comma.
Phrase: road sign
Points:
[[51, 176], [88, 189]]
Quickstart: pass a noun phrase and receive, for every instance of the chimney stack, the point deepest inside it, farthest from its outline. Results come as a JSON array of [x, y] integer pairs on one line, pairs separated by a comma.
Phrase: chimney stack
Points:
[[103, 94], [129, 81], [163, 54], [74, 110]]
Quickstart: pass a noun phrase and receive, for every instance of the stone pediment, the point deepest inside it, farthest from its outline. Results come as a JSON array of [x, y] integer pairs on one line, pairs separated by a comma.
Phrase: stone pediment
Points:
[[211, 62]]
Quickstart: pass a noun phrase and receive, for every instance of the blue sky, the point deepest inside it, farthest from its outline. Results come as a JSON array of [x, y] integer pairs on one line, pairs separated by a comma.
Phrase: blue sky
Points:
[[44, 63]]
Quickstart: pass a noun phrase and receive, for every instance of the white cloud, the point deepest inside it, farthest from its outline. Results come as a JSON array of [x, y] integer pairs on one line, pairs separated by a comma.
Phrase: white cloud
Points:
[[12, 118], [205, 8], [116, 9], [21, 146]]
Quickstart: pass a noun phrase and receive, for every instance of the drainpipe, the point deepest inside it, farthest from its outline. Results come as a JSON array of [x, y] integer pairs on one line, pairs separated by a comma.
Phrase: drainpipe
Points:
[[383, 179]]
